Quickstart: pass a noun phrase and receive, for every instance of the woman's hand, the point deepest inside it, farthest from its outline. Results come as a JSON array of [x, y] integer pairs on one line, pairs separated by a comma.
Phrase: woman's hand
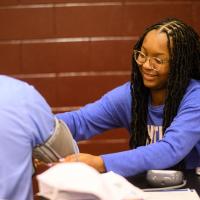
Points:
[[94, 161]]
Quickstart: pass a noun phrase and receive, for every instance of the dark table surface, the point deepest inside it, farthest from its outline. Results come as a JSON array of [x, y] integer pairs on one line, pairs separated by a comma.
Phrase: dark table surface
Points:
[[193, 180]]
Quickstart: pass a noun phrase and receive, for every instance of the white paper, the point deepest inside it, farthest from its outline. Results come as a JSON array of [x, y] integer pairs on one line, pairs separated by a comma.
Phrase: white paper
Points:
[[67, 181]]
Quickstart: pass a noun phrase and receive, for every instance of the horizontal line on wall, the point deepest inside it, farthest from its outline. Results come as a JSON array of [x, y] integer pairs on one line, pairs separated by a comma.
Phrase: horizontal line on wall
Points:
[[41, 75], [116, 3], [72, 39], [156, 2], [64, 109], [104, 73], [48, 5], [57, 5], [104, 141], [72, 74]]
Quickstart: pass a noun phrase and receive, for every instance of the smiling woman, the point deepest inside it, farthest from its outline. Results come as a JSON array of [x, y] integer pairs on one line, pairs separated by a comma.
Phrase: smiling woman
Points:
[[160, 106], [154, 68]]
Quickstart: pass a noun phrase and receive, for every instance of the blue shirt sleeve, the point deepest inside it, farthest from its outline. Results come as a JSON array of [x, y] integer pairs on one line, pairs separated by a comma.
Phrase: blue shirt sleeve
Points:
[[25, 120], [113, 110]]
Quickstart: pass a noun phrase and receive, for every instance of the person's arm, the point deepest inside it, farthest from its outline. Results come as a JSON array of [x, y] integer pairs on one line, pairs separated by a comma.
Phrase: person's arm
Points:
[[180, 138], [25, 120], [113, 110]]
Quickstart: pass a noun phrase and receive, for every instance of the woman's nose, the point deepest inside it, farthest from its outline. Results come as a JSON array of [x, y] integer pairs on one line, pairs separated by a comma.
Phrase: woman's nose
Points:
[[147, 64]]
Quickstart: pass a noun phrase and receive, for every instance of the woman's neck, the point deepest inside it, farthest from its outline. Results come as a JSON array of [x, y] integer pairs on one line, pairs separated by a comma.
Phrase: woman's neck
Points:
[[158, 97]]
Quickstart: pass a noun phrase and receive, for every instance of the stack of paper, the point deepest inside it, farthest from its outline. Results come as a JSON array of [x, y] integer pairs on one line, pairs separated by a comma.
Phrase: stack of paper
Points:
[[67, 181]]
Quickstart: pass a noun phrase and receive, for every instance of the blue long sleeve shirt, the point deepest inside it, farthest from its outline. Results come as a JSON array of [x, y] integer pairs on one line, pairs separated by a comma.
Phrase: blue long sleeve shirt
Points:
[[25, 120], [181, 140]]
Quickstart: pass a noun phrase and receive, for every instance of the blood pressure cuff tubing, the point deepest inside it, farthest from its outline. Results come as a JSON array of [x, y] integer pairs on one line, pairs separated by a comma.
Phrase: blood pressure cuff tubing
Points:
[[59, 145]]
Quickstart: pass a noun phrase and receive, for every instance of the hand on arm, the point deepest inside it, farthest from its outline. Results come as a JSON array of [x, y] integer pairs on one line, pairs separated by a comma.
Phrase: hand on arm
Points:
[[94, 161]]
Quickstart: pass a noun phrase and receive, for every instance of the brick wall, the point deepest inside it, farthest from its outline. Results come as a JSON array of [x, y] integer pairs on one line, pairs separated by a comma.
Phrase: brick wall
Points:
[[75, 51]]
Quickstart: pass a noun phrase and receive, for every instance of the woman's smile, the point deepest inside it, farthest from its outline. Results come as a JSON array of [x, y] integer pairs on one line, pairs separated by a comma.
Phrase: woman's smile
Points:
[[148, 76]]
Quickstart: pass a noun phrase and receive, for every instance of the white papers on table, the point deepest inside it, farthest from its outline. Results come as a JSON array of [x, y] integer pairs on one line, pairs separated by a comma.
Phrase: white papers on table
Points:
[[74, 181]]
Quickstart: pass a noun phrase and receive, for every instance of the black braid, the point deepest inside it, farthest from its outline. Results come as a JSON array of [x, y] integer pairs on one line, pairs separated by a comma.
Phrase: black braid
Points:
[[184, 65]]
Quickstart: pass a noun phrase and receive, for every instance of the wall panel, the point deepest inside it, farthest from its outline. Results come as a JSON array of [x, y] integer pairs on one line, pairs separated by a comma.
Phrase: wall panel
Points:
[[69, 56], [137, 16], [88, 21], [55, 56], [114, 55], [8, 2], [39, 57], [80, 90], [26, 22], [10, 58]]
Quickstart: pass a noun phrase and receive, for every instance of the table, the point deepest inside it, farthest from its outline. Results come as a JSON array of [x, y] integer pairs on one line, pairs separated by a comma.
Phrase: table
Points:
[[193, 180]]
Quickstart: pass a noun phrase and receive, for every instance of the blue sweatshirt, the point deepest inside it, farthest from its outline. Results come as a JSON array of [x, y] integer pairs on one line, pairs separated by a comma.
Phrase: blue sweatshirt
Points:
[[25, 121], [181, 139]]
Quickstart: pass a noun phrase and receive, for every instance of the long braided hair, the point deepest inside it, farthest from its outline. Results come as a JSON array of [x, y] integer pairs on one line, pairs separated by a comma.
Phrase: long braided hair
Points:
[[184, 52]]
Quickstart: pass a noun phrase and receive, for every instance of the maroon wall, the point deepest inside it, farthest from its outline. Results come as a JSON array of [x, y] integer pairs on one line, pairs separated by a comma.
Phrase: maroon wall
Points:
[[73, 51]]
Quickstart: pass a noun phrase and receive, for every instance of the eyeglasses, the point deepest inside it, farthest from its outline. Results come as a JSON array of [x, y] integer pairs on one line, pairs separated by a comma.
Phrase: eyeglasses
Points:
[[154, 62]]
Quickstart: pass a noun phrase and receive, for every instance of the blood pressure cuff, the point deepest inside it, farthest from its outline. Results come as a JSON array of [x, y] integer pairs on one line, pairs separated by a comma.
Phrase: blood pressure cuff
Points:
[[59, 145]]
